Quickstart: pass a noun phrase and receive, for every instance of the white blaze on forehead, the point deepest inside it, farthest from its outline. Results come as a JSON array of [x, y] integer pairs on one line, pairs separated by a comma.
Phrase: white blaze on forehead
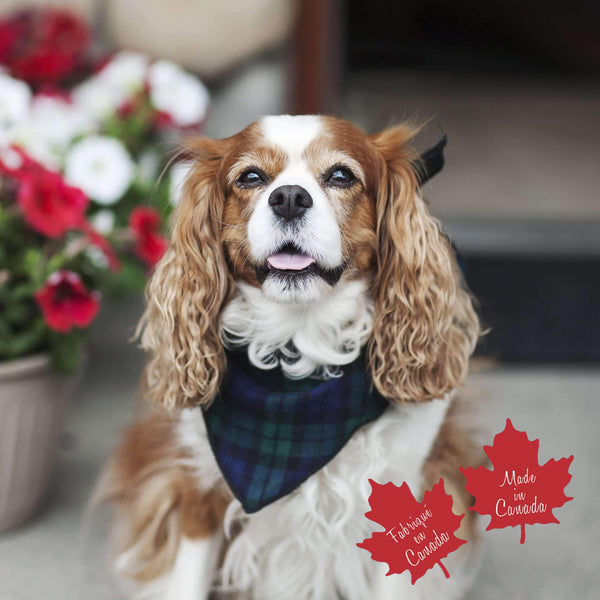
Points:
[[317, 235], [292, 133]]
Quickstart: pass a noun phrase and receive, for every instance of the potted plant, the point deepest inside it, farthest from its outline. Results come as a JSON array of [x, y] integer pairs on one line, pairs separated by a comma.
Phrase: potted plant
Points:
[[49, 276], [84, 139]]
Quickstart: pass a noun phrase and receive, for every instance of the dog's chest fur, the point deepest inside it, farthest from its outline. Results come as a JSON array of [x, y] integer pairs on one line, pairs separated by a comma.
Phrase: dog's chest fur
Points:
[[304, 545]]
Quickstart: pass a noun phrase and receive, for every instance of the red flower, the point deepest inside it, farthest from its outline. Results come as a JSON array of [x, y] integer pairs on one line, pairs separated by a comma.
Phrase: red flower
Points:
[[49, 205], [150, 245], [128, 108], [163, 120], [66, 302], [43, 45]]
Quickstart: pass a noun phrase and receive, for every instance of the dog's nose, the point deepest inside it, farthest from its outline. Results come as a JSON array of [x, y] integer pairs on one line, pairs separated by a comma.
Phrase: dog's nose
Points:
[[290, 201]]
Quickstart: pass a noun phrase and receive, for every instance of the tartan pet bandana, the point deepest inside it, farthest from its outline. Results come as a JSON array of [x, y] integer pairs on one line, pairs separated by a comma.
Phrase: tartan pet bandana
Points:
[[270, 433]]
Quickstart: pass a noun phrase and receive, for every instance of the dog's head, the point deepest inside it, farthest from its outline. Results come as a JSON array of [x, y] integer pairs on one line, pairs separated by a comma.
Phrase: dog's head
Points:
[[299, 199], [299, 207]]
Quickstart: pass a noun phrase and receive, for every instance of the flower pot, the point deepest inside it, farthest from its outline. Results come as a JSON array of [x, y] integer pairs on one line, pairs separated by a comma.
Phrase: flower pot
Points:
[[32, 403]]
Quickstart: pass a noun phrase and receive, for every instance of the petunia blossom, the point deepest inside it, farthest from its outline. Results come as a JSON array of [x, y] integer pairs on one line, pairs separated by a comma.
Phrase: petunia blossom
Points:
[[149, 244], [177, 94], [49, 205], [66, 303], [101, 167]]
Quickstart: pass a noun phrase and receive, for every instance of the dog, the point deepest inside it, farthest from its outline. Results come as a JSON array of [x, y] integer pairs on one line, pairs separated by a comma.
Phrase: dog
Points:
[[300, 247]]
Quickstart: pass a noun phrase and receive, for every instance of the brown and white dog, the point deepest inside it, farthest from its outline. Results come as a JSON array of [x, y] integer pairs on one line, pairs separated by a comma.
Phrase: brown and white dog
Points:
[[304, 240]]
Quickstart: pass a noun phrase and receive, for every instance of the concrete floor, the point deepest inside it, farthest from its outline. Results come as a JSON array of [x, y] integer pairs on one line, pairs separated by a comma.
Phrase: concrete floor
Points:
[[56, 557]]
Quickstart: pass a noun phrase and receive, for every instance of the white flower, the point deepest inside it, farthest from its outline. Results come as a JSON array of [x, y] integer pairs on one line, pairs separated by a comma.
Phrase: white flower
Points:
[[104, 221], [7, 136], [126, 72], [10, 157], [38, 148], [120, 79], [97, 257], [101, 167], [183, 97], [98, 98], [51, 126], [58, 121], [177, 176], [15, 100]]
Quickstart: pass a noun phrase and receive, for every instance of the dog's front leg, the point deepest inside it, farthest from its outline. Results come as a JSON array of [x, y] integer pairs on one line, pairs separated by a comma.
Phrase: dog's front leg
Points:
[[168, 529], [194, 568]]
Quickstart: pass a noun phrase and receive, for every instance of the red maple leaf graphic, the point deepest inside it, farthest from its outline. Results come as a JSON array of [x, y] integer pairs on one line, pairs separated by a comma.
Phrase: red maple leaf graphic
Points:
[[417, 535], [518, 491]]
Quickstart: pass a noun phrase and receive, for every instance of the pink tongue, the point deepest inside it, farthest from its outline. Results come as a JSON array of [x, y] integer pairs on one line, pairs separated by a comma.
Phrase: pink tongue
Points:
[[290, 262]]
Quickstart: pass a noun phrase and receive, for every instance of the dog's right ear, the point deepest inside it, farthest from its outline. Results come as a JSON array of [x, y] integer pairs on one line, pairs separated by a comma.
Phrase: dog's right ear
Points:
[[181, 324]]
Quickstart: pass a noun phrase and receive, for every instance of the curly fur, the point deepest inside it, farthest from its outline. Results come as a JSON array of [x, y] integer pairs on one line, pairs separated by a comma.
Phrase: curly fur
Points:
[[323, 336], [425, 325], [181, 324]]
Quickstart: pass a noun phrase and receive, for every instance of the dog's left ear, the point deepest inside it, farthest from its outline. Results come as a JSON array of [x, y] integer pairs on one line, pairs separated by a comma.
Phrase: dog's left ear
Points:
[[425, 325]]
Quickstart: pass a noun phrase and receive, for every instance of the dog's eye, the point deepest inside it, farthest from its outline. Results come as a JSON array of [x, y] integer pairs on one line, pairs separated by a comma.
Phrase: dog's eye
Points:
[[251, 178], [340, 176]]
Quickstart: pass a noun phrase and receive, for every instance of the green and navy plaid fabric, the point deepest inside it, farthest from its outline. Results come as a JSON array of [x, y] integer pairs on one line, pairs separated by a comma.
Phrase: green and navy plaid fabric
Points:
[[270, 433]]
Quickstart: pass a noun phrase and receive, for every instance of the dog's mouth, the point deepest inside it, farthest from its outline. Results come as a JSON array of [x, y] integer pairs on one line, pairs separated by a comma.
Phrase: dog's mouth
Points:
[[292, 263]]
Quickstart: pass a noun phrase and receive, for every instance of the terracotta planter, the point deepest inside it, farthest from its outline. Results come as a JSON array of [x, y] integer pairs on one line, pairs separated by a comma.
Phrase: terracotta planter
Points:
[[32, 403]]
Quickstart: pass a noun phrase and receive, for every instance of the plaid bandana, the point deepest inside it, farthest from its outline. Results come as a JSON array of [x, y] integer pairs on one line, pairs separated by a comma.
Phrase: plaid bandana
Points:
[[270, 433]]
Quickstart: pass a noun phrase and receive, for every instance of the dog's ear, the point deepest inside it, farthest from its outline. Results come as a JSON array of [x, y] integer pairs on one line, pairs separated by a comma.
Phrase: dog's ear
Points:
[[425, 326], [191, 283]]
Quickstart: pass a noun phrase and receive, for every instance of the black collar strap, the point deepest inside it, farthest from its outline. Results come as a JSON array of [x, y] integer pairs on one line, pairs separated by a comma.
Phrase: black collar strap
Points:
[[431, 162]]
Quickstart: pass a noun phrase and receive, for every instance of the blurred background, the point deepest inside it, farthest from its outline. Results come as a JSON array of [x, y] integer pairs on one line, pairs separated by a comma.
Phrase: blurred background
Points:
[[516, 88]]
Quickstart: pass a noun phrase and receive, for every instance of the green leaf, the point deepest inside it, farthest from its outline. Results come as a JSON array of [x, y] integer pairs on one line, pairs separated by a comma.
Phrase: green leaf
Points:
[[56, 262], [16, 312], [65, 352], [32, 263], [129, 281], [25, 342], [23, 291]]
